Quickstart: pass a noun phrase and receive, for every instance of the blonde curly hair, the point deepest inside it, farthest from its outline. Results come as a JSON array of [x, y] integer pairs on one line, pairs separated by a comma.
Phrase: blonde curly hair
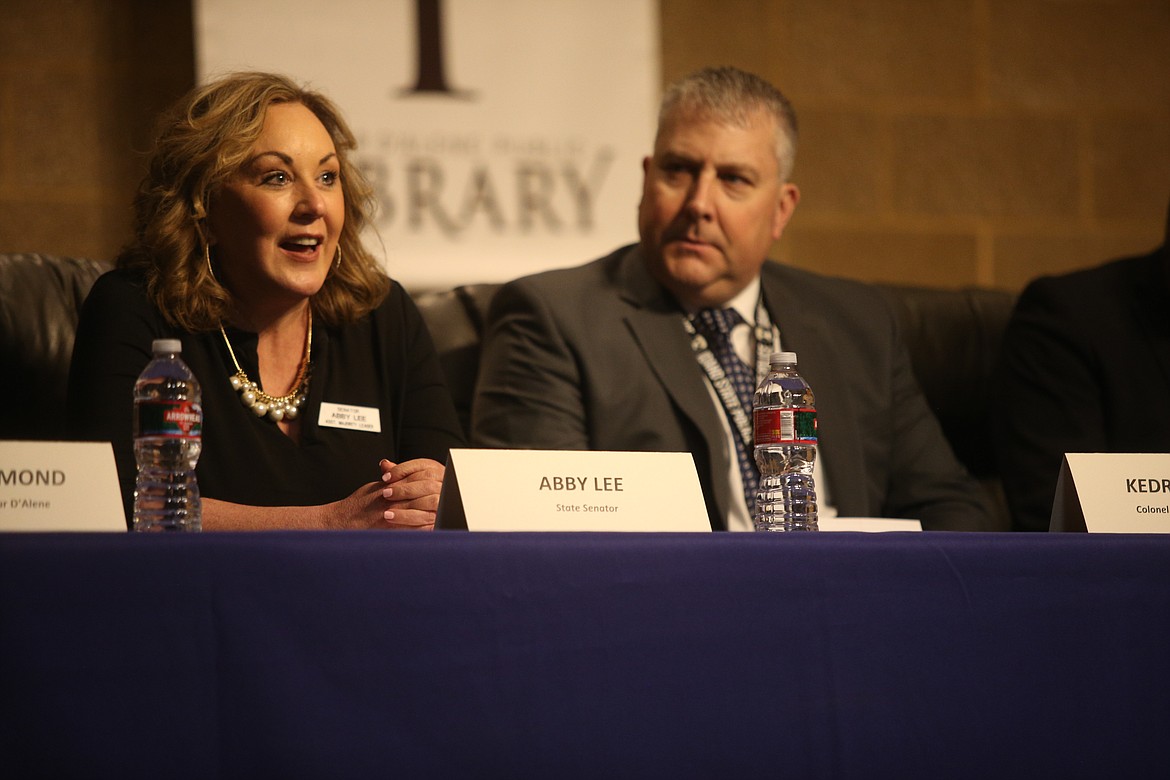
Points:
[[201, 142]]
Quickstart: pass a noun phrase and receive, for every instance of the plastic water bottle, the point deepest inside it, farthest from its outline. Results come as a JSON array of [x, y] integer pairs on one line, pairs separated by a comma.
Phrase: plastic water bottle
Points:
[[168, 430], [785, 423]]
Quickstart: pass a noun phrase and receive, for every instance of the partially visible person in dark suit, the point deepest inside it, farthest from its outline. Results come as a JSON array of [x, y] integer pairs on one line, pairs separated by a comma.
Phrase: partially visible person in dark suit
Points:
[[1085, 368], [606, 356]]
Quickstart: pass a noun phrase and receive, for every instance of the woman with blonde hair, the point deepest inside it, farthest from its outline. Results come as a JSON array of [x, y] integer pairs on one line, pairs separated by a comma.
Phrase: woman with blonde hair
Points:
[[247, 248]]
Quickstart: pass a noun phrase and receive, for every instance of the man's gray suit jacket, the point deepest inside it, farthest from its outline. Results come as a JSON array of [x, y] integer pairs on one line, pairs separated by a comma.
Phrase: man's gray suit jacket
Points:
[[596, 357]]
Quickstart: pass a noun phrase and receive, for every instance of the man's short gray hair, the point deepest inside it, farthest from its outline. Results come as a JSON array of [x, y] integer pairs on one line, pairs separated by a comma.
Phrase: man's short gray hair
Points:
[[731, 95]]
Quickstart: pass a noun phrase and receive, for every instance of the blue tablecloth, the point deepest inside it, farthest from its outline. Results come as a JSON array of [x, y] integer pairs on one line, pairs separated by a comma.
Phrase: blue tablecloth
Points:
[[577, 655]]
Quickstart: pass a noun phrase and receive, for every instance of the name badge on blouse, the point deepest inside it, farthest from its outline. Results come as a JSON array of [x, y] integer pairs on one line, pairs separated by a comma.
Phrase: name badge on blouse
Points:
[[350, 418]]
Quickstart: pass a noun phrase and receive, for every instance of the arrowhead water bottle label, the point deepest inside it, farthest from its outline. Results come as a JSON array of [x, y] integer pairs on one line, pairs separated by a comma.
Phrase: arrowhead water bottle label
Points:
[[785, 426], [174, 419]]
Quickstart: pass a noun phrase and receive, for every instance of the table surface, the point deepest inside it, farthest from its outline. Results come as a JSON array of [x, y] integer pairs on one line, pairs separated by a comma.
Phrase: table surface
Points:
[[585, 655]]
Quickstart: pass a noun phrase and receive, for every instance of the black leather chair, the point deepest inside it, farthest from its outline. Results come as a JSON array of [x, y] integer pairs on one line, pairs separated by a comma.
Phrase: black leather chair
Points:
[[455, 318], [40, 298], [954, 338]]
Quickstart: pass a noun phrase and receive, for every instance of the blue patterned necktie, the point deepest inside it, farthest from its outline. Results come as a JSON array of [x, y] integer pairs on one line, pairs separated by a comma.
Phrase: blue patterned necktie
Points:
[[715, 325]]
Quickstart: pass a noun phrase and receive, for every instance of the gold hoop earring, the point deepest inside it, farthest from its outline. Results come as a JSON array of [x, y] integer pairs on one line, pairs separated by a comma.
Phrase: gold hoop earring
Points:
[[207, 259], [337, 262]]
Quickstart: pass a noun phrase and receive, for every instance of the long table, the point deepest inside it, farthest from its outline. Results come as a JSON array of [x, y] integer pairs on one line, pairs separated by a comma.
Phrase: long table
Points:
[[584, 655]]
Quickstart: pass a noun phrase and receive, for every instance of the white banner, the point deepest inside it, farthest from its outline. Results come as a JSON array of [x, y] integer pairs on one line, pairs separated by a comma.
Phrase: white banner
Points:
[[503, 137]]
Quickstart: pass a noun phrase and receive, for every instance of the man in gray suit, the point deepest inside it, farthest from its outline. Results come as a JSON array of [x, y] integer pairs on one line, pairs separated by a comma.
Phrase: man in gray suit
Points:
[[602, 356]]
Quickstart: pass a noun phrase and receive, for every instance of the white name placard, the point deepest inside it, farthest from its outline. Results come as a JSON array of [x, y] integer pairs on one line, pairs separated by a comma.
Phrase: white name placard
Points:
[[1113, 493], [868, 524], [562, 490], [59, 486]]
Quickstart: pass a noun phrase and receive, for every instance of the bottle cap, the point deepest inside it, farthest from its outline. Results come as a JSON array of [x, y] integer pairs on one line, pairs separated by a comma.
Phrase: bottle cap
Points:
[[166, 345], [783, 357]]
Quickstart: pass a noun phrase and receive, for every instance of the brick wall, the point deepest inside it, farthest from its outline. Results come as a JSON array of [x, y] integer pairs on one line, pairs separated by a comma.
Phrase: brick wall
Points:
[[953, 142], [80, 84], [944, 142]]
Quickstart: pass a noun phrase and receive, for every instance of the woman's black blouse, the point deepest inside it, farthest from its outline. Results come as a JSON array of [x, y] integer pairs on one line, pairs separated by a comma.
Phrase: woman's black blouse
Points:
[[384, 361]]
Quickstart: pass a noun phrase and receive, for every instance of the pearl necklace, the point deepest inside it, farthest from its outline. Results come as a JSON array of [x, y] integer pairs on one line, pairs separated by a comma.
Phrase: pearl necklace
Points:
[[277, 408]]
